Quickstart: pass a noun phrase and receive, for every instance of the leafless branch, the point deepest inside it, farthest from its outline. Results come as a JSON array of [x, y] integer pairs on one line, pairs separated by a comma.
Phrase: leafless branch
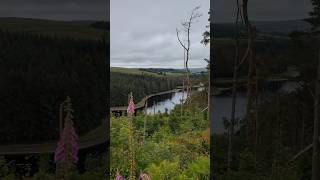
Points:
[[207, 60], [301, 152], [186, 25], [180, 40], [204, 109]]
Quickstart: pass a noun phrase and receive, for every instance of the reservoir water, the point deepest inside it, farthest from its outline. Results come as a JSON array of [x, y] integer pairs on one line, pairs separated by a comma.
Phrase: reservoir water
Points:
[[222, 104], [166, 104]]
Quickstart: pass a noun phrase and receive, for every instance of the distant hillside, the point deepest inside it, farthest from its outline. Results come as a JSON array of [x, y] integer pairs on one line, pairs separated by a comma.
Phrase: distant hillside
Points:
[[70, 29], [275, 28], [140, 82], [148, 71], [282, 27], [198, 70]]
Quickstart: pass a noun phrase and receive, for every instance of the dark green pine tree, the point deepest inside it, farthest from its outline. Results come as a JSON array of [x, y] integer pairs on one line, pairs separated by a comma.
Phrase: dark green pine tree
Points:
[[315, 22]]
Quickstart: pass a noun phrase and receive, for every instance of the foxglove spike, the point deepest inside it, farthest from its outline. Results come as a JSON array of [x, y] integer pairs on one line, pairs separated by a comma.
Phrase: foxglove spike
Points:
[[118, 177], [144, 176], [131, 107], [59, 153], [67, 150]]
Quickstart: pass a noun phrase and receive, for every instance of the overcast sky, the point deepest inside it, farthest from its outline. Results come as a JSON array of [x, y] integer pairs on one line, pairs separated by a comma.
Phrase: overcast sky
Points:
[[266, 10], [143, 33], [56, 9]]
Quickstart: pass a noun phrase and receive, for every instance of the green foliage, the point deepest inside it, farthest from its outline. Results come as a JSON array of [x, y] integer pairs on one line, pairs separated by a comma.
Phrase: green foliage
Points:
[[91, 176], [200, 169], [44, 163], [282, 123], [4, 170], [42, 176], [165, 170], [95, 168], [119, 131], [10, 177], [96, 163], [174, 148]]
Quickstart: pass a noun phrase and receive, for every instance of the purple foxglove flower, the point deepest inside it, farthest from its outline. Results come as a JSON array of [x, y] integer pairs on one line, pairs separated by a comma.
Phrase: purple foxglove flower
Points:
[[118, 177], [130, 109], [144, 176], [67, 150], [59, 153]]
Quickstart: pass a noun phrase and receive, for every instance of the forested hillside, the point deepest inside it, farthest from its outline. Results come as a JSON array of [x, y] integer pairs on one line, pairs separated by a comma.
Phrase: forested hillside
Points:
[[271, 28], [37, 72], [273, 57], [121, 84], [59, 29]]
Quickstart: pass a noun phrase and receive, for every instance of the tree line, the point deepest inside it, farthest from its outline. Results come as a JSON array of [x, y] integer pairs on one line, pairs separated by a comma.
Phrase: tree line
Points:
[[122, 84]]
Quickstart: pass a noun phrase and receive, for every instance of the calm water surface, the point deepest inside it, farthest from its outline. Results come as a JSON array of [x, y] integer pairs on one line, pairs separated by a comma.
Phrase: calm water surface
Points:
[[222, 105], [166, 104]]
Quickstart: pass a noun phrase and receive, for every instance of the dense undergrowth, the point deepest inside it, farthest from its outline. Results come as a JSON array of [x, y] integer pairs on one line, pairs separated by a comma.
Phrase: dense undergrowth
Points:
[[176, 145]]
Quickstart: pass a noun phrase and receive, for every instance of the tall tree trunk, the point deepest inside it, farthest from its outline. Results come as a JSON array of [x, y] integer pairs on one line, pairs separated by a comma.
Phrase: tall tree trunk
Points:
[[252, 81], [233, 107], [187, 60], [234, 89], [315, 155]]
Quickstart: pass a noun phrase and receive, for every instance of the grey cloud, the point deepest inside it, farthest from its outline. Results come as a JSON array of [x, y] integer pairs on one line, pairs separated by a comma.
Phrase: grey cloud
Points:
[[224, 10], [56, 9], [160, 50], [143, 33]]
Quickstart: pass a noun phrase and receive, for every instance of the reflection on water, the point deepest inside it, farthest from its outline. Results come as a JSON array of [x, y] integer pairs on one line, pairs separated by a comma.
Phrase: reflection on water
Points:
[[222, 104], [289, 87], [166, 104], [222, 109]]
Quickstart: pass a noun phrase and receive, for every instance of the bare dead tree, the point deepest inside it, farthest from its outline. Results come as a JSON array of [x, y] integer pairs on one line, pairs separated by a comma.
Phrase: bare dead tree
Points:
[[181, 102], [236, 66], [186, 26], [183, 85], [252, 89]]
